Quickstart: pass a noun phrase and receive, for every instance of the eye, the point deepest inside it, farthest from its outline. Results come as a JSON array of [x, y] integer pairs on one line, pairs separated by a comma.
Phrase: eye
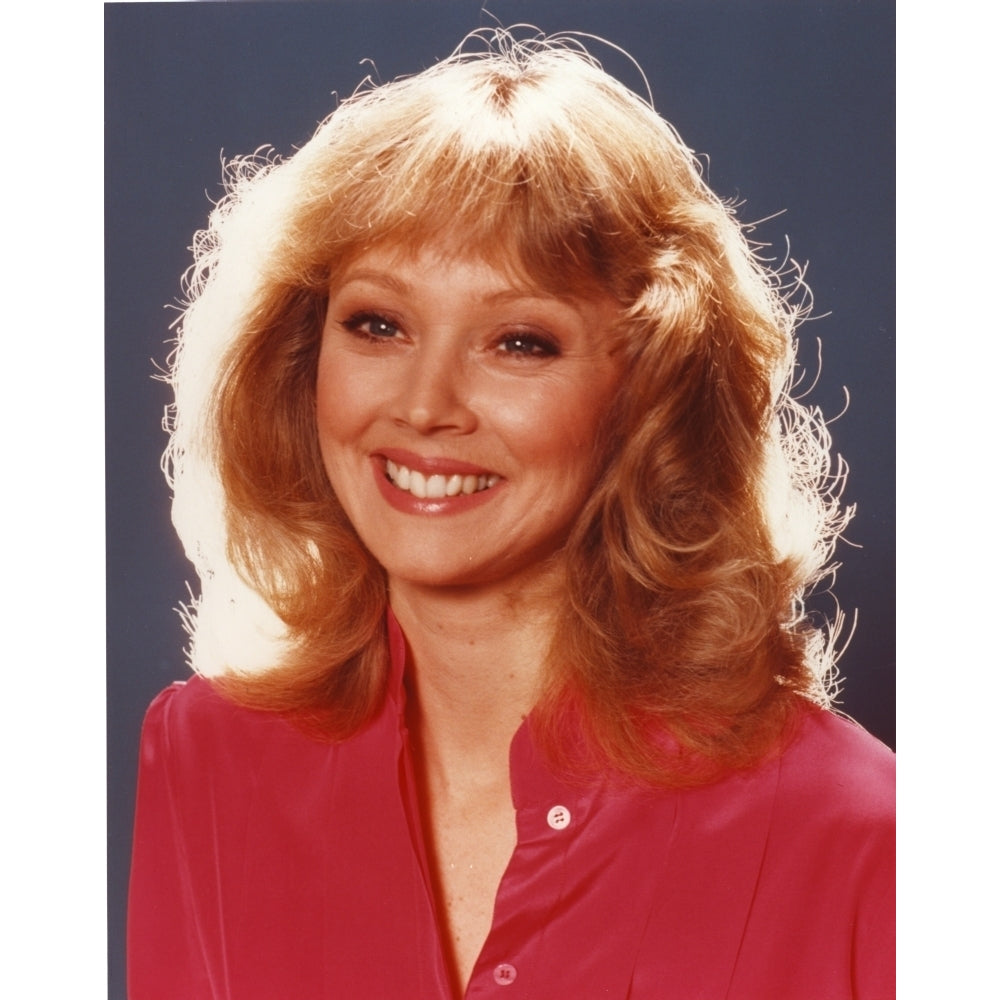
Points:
[[371, 326], [528, 345]]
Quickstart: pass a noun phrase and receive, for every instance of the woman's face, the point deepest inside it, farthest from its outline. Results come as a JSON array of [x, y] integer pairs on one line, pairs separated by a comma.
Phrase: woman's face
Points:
[[458, 411]]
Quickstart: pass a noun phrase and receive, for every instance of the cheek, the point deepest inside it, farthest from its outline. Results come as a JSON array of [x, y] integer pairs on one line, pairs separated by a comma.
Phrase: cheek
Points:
[[340, 398], [340, 423], [558, 430], [584, 423]]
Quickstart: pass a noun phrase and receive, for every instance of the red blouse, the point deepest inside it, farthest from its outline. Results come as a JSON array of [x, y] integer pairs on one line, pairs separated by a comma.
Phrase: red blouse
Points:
[[268, 866]]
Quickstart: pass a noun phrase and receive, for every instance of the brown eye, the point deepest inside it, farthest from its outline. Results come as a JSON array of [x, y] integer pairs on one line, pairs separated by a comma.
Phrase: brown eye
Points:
[[371, 325], [529, 345]]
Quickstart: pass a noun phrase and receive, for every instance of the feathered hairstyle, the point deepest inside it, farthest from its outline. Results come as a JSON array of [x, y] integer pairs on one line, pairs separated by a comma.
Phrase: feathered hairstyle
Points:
[[682, 638]]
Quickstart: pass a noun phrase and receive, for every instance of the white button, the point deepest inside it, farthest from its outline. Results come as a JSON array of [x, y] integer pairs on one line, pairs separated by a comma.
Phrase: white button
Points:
[[504, 974], [558, 817]]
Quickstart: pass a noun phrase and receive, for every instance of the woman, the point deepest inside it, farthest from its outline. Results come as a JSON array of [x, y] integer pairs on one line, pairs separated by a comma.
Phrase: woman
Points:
[[484, 450]]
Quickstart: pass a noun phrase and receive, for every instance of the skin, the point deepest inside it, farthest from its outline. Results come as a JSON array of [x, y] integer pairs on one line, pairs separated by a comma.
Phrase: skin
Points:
[[456, 368]]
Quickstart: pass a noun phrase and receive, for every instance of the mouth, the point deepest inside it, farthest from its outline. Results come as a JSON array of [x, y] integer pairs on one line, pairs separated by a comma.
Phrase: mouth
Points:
[[437, 486]]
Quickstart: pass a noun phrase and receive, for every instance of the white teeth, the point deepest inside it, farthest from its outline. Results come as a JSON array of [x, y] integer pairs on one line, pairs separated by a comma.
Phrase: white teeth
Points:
[[437, 486], [399, 474]]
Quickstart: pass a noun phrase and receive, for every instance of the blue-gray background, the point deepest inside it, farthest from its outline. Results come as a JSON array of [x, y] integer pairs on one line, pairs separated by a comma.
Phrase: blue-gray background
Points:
[[792, 102]]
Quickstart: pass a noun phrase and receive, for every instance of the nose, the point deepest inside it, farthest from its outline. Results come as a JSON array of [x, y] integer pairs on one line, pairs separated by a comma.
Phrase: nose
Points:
[[434, 395]]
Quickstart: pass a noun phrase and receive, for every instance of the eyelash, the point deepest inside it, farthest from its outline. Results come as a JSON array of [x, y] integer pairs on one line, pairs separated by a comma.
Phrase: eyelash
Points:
[[355, 324], [526, 344], [532, 345]]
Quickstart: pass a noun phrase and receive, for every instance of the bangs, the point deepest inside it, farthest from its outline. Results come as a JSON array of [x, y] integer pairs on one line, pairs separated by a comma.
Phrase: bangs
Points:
[[502, 222], [494, 163]]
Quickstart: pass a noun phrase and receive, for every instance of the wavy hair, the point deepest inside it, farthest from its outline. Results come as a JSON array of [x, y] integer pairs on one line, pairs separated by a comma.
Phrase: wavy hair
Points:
[[682, 636]]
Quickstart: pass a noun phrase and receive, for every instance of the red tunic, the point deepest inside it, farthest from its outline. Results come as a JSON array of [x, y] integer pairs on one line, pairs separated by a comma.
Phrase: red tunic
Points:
[[268, 866]]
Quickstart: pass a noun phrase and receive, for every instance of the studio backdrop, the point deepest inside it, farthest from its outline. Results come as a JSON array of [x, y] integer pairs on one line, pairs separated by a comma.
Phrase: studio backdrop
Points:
[[790, 103]]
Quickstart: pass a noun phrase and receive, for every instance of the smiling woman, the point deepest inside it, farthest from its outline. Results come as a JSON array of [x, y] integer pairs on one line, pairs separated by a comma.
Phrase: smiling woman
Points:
[[458, 415], [504, 515]]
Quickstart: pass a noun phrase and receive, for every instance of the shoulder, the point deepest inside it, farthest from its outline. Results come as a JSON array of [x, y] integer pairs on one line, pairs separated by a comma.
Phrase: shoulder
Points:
[[194, 709], [190, 724], [840, 768], [832, 837], [823, 807], [183, 702], [833, 817], [779, 879]]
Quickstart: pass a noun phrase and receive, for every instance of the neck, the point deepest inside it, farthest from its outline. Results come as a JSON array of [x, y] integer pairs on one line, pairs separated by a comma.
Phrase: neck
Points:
[[476, 662]]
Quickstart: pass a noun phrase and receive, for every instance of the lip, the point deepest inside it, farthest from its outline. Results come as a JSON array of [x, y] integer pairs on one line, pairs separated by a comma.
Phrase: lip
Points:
[[407, 503], [431, 466]]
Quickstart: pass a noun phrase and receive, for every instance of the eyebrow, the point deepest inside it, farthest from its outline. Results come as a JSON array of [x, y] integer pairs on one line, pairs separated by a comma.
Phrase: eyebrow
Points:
[[384, 278], [395, 284]]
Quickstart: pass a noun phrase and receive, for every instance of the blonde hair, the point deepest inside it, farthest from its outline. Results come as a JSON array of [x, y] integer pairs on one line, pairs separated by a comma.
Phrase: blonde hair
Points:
[[715, 509]]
